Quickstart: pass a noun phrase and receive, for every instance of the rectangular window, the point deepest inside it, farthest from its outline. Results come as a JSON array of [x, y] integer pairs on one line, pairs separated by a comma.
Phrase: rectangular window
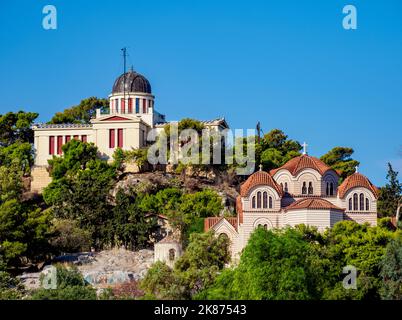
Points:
[[51, 145], [123, 106], [130, 105], [75, 137], [137, 105], [59, 144], [144, 105], [68, 138], [111, 105], [84, 138], [120, 138], [117, 106], [111, 138]]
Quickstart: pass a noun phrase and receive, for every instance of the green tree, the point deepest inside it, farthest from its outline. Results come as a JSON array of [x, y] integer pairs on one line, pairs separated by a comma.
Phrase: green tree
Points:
[[339, 159], [80, 189], [81, 113], [205, 256], [15, 127], [390, 195], [70, 286], [275, 265], [10, 287], [391, 271], [129, 225]]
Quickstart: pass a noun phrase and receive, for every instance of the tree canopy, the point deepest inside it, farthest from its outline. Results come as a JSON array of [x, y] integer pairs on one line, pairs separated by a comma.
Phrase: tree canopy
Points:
[[390, 195], [339, 159], [81, 113]]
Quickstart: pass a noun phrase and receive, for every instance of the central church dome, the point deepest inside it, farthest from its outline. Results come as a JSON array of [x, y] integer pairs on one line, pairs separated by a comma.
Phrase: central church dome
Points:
[[135, 82]]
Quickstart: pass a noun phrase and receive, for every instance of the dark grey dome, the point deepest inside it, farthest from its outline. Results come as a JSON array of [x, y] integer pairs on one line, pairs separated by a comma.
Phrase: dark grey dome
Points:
[[135, 82]]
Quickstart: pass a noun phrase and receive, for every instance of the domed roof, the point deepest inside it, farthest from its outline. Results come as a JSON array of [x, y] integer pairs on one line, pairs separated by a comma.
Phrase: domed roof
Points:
[[295, 165], [135, 82], [259, 178], [354, 181], [312, 204]]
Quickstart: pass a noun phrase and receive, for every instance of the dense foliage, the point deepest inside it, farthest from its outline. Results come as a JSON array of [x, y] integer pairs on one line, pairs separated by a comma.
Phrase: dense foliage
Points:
[[301, 263], [339, 159], [81, 113], [70, 286], [390, 195], [205, 256]]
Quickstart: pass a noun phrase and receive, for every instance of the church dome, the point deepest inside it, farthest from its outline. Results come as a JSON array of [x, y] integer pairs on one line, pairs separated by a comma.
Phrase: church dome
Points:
[[354, 181], [135, 82], [295, 165], [259, 178]]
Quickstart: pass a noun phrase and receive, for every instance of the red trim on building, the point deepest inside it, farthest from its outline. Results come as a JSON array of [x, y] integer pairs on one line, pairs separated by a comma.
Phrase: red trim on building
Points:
[[68, 138], [51, 145], [59, 144], [111, 138], [130, 105], [115, 118], [144, 105], [84, 138], [123, 106], [120, 138]]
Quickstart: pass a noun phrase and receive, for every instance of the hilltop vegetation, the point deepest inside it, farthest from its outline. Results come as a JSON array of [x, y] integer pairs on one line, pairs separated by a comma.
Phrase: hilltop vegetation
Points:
[[86, 206]]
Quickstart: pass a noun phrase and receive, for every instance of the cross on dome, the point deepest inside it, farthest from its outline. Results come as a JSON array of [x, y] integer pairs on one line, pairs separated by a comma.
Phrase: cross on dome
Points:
[[260, 167], [357, 169], [304, 145]]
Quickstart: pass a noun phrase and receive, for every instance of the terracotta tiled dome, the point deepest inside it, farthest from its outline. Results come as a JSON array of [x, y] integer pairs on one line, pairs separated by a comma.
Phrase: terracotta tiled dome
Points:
[[295, 165], [256, 179], [312, 204], [354, 181]]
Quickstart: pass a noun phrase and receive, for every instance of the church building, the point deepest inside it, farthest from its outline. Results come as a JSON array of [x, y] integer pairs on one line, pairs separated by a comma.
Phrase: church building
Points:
[[303, 191], [126, 124]]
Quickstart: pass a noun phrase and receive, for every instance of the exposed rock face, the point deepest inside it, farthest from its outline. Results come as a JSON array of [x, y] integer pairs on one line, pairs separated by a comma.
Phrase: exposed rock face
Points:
[[116, 266], [102, 269]]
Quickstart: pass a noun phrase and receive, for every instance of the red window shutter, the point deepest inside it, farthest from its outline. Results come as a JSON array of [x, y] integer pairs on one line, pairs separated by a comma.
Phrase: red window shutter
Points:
[[144, 105], [84, 138], [111, 138], [120, 138], [76, 137], [68, 138], [59, 144], [123, 106], [51, 145], [130, 105]]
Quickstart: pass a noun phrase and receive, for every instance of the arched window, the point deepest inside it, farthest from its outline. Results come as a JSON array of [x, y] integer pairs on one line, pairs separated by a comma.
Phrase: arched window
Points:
[[265, 200], [327, 192], [253, 202], [310, 188], [355, 204], [270, 202], [286, 187], [331, 189], [258, 200], [350, 204], [367, 205], [361, 202], [265, 226], [304, 188], [282, 186], [172, 254]]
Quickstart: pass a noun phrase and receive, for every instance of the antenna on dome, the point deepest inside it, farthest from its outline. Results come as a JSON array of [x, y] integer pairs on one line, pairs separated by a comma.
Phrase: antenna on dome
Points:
[[124, 72]]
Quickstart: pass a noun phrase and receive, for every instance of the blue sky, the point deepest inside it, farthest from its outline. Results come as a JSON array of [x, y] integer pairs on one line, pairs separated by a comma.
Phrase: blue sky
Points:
[[288, 64]]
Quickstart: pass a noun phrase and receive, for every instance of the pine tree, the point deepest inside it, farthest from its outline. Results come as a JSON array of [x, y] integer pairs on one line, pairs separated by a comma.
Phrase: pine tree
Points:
[[390, 195]]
